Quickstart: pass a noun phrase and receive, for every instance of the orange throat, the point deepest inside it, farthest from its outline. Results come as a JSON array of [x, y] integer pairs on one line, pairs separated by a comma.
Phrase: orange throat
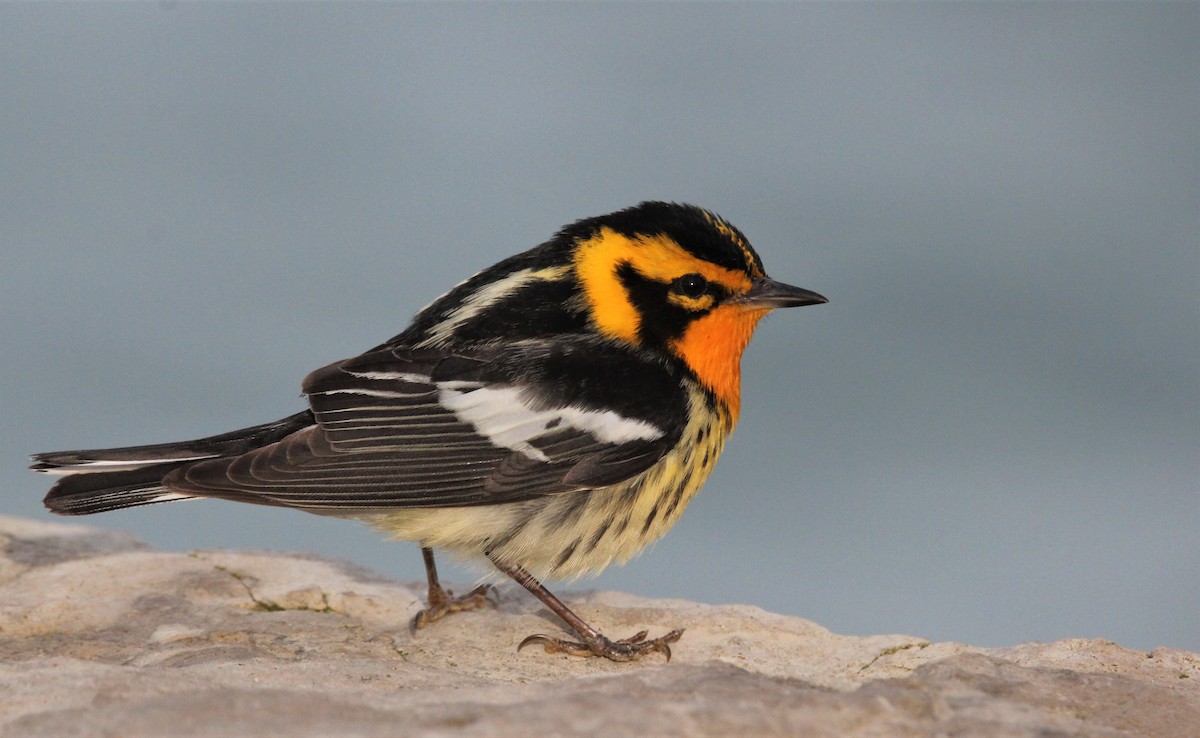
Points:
[[712, 346]]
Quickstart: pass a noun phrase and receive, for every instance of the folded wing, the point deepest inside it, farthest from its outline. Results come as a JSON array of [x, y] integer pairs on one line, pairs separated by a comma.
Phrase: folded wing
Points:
[[400, 428]]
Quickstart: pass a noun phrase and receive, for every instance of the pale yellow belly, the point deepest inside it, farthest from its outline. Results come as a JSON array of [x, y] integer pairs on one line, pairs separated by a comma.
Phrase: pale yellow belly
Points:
[[570, 534]]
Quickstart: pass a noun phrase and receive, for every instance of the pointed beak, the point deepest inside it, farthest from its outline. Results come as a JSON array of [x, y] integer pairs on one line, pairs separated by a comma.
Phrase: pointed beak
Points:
[[767, 294]]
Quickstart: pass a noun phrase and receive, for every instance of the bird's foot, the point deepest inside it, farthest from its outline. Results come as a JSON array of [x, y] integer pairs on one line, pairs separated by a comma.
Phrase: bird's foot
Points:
[[442, 602], [630, 649]]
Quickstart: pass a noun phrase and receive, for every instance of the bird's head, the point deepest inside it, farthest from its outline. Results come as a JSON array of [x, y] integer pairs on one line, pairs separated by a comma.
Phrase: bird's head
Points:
[[682, 280]]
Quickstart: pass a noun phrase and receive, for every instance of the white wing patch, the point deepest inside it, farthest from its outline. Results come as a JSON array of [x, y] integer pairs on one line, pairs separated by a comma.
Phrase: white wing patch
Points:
[[506, 420]]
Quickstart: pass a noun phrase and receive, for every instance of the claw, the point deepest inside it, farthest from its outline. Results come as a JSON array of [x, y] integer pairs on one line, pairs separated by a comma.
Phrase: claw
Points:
[[629, 649], [443, 602], [546, 640]]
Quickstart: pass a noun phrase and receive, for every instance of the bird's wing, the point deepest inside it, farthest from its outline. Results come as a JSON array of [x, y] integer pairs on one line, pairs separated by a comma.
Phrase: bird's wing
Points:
[[404, 428]]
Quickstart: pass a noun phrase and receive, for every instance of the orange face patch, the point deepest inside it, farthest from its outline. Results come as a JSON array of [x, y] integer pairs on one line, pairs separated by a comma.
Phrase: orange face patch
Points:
[[654, 257], [712, 346]]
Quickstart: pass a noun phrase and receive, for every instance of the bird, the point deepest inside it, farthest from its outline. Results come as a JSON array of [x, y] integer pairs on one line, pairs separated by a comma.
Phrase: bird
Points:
[[552, 414]]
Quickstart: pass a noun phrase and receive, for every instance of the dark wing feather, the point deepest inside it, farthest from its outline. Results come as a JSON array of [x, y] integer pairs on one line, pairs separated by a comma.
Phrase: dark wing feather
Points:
[[398, 428]]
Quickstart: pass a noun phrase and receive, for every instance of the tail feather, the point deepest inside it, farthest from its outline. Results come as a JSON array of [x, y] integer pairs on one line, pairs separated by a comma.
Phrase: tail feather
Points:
[[84, 494], [98, 480], [133, 457]]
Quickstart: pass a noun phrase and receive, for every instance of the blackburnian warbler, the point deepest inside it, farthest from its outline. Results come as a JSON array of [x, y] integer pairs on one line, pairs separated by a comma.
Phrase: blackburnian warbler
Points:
[[552, 414]]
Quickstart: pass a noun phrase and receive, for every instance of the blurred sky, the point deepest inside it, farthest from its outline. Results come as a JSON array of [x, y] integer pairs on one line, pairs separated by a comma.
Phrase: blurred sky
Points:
[[989, 435]]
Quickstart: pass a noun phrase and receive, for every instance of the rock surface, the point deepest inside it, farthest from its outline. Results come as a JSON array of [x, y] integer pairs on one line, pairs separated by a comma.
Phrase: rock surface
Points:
[[99, 636]]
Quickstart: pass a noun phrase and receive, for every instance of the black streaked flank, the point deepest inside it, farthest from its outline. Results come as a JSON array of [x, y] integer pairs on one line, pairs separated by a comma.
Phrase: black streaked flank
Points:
[[650, 519], [566, 555], [597, 536], [570, 512]]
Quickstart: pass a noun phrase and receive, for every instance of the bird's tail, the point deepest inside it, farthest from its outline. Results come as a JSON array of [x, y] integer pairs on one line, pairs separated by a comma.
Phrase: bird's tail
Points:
[[99, 480]]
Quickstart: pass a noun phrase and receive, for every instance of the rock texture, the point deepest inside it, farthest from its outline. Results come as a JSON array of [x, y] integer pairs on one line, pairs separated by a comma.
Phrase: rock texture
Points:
[[100, 636]]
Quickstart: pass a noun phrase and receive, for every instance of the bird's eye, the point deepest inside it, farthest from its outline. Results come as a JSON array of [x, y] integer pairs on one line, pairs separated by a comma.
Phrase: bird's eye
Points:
[[691, 285]]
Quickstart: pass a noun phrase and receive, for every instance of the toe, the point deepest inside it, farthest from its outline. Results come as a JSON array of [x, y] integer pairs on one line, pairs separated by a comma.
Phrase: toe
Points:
[[629, 649]]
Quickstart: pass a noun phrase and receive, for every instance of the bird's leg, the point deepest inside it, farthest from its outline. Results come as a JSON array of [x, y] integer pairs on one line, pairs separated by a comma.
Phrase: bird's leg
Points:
[[593, 642], [442, 601]]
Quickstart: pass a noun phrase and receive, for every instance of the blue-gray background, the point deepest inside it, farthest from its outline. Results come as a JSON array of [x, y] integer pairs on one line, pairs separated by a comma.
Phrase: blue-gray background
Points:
[[990, 434]]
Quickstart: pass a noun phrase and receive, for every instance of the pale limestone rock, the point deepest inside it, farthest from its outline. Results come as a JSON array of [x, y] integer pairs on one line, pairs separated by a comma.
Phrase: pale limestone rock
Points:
[[101, 636]]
